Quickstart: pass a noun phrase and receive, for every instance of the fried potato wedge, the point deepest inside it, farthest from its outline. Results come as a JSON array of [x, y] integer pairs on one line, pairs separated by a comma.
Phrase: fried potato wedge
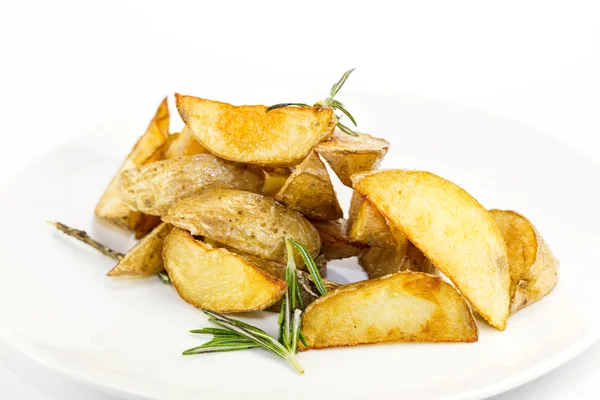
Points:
[[451, 228], [348, 155], [248, 222], [367, 225], [146, 225], [336, 243], [154, 188], [378, 261], [216, 279], [308, 290], [184, 144], [309, 191], [402, 307], [533, 267], [275, 178], [248, 134], [145, 258], [110, 207]]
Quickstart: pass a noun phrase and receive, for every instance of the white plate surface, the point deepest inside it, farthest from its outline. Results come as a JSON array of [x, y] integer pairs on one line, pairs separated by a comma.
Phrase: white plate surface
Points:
[[126, 336]]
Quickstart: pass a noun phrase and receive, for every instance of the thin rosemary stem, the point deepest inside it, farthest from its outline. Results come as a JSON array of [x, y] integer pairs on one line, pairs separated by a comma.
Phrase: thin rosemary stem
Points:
[[85, 238]]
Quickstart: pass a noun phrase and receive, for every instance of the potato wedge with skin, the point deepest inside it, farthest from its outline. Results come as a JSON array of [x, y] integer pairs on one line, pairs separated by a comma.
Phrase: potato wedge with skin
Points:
[[216, 279], [248, 222], [377, 261], [402, 307], [367, 225], [348, 155], [275, 179], [451, 228], [184, 144], [146, 225], [533, 267], [110, 207], [248, 134], [145, 258], [154, 188], [336, 243], [308, 290], [309, 191]]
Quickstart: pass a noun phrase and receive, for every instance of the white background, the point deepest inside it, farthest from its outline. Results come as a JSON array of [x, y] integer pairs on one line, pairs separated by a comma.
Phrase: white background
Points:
[[66, 66]]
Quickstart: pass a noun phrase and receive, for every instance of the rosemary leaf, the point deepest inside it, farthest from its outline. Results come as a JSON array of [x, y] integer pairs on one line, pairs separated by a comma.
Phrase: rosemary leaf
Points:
[[296, 330], [339, 106], [218, 349], [214, 331], [311, 265], [164, 278], [337, 86], [275, 106], [346, 130]]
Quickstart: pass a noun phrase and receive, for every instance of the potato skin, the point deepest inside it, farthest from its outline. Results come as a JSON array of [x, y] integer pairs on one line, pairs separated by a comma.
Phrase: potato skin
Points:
[[336, 243], [401, 307], [533, 267], [248, 222], [216, 279], [377, 261], [145, 258], [148, 148], [367, 225], [248, 134], [439, 217], [154, 188]]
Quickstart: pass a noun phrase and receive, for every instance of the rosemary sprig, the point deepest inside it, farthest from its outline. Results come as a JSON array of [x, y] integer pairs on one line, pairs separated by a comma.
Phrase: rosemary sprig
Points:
[[102, 248], [331, 102], [310, 264]]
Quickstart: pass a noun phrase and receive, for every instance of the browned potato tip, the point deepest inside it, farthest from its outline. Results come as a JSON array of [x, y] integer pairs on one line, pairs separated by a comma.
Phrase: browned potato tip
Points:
[[216, 279], [348, 155], [248, 222], [110, 207], [154, 188], [309, 190], [451, 228], [533, 267], [336, 243], [145, 258], [402, 307], [249, 134]]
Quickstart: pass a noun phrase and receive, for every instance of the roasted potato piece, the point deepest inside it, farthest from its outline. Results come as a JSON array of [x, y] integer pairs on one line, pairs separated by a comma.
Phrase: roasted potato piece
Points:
[[309, 190], [308, 290], [249, 134], [367, 225], [451, 228], [146, 225], [216, 279], [111, 207], [402, 307], [145, 258], [184, 144], [378, 261], [248, 222], [336, 243], [278, 269], [275, 178], [533, 267], [348, 155], [154, 188]]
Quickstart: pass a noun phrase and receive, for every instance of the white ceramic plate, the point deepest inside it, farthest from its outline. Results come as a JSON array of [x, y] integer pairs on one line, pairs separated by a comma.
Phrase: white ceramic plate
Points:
[[126, 336]]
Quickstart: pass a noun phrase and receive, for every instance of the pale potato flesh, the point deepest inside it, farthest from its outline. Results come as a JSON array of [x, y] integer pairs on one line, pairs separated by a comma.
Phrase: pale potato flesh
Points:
[[145, 258], [309, 190], [451, 228], [401, 307], [533, 267], [184, 144], [336, 243], [216, 279], [348, 155], [110, 207], [378, 261], [367, 225], [275, 179], [249, 222], [154, 188], [248, 134]]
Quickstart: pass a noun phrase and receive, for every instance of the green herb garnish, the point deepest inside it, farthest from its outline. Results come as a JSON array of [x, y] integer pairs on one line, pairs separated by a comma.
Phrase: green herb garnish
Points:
[[329, 102]]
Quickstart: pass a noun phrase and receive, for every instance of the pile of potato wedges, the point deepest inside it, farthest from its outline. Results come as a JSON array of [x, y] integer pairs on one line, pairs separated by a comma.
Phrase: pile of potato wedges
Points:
[[213, 204]]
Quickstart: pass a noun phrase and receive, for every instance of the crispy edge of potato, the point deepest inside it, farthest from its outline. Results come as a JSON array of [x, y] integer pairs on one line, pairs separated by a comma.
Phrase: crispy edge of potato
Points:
[[154, 188], [378, 261], [534, 269], [309, 191], [145, 258], [110, 207], [248, 134], [348, 155], [336, 243], [367, 225], [216, 279], [217, 213], [184, 144], [367, 312], [275, 179], [430, 211]]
